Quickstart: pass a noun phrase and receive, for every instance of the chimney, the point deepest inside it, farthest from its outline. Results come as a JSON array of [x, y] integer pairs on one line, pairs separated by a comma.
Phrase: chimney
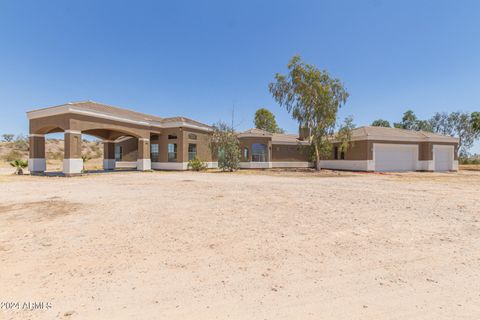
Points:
[[303, 133]]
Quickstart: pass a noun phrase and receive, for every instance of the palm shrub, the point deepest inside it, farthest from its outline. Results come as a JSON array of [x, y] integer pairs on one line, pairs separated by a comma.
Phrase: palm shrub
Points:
[[197, 164], [19, 165]]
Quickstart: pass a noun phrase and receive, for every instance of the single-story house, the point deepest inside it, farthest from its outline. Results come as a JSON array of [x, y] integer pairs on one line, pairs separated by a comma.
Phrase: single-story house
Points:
[[142, 141]]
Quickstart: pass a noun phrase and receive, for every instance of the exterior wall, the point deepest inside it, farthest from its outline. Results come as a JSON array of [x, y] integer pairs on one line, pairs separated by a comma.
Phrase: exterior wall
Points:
[[163, 142], [359, 156], [203, 150], [248, 142], [129, 149], [289, 152]]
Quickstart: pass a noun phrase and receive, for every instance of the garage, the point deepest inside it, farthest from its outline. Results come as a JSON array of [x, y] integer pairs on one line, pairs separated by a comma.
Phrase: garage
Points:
[[443, 157], [395, 157]]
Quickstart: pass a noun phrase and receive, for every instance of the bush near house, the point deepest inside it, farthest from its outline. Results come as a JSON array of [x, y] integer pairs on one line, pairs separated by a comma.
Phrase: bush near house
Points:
[[197, 165]]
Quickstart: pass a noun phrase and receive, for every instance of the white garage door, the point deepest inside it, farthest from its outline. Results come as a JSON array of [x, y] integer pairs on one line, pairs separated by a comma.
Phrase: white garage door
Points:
[[443, 157], [395, 157]]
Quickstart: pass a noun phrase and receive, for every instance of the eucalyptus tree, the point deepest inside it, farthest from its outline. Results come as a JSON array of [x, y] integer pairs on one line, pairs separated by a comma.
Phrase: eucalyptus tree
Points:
[[313, 98]]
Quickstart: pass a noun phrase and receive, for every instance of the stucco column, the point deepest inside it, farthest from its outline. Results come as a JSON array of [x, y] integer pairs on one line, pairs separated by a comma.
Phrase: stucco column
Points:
[[36, 159], [143, 160], [72, 160], [108, 155]]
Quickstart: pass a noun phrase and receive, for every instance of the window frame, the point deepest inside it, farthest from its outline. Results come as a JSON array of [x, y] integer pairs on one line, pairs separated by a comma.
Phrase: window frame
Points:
[[192, 153], [170, 153]]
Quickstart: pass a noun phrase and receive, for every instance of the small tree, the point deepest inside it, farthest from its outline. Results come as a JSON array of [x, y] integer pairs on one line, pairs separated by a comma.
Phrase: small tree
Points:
[[344, 134], [313, 98], [19, 165], [381, 123], [265, 120], [85, 159], [7, 137], [224, 143]]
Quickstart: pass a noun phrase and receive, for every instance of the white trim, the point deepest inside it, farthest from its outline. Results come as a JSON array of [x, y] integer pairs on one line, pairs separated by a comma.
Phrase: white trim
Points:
[[292, 164], [182, 124], [212, 165], [351, 165], [143, 139], [255, 165], [144, 164], [37, 165], [455, 165], [425, 165], [73, 131], [170, 165], [108, 164], [36, 135], [72, 166], [125, 164]]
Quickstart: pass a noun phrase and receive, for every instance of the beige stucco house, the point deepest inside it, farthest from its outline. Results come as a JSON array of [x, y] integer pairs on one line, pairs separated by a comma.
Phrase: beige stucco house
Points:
[[142, 141]]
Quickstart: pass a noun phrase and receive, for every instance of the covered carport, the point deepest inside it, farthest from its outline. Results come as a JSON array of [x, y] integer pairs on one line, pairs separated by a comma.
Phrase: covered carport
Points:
[[102, 121]]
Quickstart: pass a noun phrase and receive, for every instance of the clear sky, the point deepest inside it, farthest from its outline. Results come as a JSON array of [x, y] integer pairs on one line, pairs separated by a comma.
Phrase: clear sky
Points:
[[199, 58]]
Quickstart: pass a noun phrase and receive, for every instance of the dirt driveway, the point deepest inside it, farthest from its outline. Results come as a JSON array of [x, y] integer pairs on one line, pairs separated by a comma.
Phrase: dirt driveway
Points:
[[241, 246]]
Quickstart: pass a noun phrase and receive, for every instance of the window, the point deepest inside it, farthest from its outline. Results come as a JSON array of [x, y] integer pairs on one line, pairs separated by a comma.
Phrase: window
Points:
[[335, 153], [192, 151], [259, 152], [154, 152], [172, 152], [245, 153], [118, 153], [192, 136], [172, 136]]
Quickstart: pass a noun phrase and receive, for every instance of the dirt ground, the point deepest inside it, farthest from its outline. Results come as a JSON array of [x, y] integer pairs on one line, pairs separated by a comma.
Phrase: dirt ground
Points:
[[247, 245]]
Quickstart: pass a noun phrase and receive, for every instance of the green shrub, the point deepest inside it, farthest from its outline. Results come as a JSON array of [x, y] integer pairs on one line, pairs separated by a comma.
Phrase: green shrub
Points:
[[19, 165], [197, 165]]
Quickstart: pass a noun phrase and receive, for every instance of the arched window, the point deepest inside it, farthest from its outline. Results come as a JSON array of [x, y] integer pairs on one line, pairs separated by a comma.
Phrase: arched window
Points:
[[259, 152]]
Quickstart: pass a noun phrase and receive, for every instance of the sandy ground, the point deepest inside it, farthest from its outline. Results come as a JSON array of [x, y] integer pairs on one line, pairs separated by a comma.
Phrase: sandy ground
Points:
[[261, 245]]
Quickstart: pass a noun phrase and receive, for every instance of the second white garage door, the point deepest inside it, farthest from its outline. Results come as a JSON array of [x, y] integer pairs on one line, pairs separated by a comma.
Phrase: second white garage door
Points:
[[395, 157]]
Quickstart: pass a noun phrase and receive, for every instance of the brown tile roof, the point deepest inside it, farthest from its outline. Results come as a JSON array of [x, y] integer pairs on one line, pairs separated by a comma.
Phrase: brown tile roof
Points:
[[399, 134]]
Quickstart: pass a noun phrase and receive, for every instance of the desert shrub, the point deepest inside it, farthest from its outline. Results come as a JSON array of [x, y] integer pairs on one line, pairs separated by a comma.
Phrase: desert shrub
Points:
[[21, 143], [58, 155], [7, 137], [197, 165], [19, 165], [13, 155]]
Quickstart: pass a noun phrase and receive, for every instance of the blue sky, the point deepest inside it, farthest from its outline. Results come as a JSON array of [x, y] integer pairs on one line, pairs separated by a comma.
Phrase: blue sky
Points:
[[199, 58]]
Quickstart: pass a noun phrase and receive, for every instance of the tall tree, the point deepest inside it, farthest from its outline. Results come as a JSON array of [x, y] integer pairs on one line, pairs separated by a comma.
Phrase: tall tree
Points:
[[313, 98], [476, 121], [457, 124], [381, 123], [265, 120], [224, 143], [411, 122]]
